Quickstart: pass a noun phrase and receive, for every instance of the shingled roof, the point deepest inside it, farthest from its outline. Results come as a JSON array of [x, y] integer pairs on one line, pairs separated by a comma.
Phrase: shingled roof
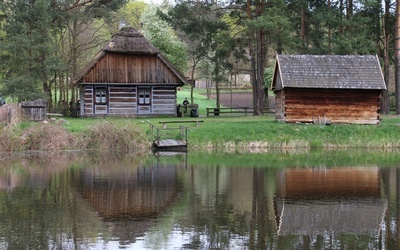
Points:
[[328, 72]]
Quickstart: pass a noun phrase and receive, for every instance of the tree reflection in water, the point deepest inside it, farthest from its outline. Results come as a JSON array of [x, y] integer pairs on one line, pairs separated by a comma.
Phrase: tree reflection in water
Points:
[[78, 201]]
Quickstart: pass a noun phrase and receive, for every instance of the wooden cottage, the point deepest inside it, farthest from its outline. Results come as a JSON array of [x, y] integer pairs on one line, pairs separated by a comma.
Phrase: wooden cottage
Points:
[[327, 88], [129, 76]]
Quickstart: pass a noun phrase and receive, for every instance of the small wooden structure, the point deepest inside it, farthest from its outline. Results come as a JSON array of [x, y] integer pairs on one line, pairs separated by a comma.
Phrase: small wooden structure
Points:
[[35, 110], [162, 138], [334, 89], [129, 76]]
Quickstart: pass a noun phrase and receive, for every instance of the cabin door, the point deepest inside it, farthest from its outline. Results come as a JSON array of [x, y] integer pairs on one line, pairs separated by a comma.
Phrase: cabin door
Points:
[[144, 100]]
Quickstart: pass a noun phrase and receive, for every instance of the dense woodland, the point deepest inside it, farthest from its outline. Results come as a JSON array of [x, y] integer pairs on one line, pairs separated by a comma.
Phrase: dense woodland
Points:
[[44, 43]]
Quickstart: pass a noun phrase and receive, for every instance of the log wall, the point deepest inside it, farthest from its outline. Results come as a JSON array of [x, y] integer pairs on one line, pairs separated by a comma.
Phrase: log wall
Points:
[[125, 68], [122, 100], [164, 100], [336, 105]]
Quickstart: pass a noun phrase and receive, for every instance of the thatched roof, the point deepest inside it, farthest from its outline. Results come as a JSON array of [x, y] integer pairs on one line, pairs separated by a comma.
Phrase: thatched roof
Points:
[[129, 41], [328, 71]]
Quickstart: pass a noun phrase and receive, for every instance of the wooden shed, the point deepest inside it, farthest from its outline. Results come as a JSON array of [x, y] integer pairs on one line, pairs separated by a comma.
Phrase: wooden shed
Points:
[[328, 88], [129, 76]]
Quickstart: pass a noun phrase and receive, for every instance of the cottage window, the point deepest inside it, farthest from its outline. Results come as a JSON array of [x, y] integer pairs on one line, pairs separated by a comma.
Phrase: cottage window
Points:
[[144, 96], [101, 94]]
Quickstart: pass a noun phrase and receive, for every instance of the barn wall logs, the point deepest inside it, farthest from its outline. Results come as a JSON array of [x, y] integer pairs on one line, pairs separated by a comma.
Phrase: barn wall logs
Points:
[[125, 68], [279, 102], [87, 101], [336, 105], [123, 100], [164, 100]]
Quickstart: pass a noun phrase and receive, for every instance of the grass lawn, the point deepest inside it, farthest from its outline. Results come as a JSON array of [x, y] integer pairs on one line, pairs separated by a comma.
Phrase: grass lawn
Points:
[[199, 97], [241, 131], [264, 131]]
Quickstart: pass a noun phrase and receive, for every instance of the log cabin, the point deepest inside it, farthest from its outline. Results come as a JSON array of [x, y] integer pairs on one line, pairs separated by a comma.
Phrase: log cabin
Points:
[[328, 88], [129, 76]]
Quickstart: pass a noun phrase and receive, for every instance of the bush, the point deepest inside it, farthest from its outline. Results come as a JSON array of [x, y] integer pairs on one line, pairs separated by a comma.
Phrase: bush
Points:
[[105, 135], [48, 136]]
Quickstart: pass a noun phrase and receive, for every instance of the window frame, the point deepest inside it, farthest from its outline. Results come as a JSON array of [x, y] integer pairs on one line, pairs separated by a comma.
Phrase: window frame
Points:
[[100, 95], [144, 96]]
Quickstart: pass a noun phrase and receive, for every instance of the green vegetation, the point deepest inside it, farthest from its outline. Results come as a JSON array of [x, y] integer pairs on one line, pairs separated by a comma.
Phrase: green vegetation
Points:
[[199, 96], [264, 132], [243, 133], [223, 133]]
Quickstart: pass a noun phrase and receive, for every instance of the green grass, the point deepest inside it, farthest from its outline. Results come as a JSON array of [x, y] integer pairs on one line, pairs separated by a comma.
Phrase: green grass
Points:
[[264, 131], [199, 97], [259, 131]]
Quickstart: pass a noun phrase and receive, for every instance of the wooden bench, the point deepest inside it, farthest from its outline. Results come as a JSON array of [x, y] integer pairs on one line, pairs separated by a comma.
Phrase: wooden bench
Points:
[[164, 123], [53, 114], [238, 110]]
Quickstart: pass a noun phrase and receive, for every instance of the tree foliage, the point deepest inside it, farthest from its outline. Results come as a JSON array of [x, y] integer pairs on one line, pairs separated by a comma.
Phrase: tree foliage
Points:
[[45, 42], [39, 46], [162, 36], [28, 52]]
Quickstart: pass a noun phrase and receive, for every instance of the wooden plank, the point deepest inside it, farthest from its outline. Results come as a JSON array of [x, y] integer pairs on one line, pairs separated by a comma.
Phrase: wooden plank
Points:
[[184, 121], [54, 114], [169, 143], [164, 123]]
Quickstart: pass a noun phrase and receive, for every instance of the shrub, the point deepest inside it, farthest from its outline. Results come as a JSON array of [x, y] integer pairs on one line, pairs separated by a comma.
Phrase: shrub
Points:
[[48, 136], [105, 135]]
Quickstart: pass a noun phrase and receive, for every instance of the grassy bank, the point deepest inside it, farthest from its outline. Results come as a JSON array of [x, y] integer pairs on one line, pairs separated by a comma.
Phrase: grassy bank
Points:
[[251, 132], [223, 133], [265, 132]]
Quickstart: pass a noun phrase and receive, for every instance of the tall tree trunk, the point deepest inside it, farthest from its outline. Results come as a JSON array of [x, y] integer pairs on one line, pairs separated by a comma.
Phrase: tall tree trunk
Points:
[[257, 59], [253, 73], [329, 29], [349, 14], [397, 57], [259, 107], [341, 17], [303, 24], [385, 107], [74, 66]]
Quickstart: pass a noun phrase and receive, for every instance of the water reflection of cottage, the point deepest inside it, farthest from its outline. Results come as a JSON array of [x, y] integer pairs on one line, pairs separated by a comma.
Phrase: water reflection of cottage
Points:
[[329, 200], [140, 194]]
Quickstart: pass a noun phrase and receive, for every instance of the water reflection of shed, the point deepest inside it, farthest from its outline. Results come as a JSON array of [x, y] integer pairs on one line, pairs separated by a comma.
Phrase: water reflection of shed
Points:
[[317, 200], [139, 194]]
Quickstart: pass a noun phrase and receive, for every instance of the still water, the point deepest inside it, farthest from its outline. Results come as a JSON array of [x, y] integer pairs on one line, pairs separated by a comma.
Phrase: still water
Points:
[[281, 200]]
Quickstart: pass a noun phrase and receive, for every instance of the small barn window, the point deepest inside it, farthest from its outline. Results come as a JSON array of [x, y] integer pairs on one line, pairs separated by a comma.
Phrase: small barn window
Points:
[[144, 96], [101, 94]]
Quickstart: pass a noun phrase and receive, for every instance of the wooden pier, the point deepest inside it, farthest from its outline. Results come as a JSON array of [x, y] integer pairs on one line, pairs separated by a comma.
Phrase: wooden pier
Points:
[[170, 143], [162, 138]]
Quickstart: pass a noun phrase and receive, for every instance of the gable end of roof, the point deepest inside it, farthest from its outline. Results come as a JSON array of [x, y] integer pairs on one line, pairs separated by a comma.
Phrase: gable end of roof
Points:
[[329, 71]]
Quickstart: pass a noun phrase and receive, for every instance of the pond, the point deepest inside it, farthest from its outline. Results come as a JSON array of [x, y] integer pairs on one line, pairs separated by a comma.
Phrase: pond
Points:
[[275, 200]]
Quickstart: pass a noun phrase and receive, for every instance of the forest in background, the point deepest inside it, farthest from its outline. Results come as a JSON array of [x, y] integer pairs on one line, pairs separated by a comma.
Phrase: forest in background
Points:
[[45, 43]]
